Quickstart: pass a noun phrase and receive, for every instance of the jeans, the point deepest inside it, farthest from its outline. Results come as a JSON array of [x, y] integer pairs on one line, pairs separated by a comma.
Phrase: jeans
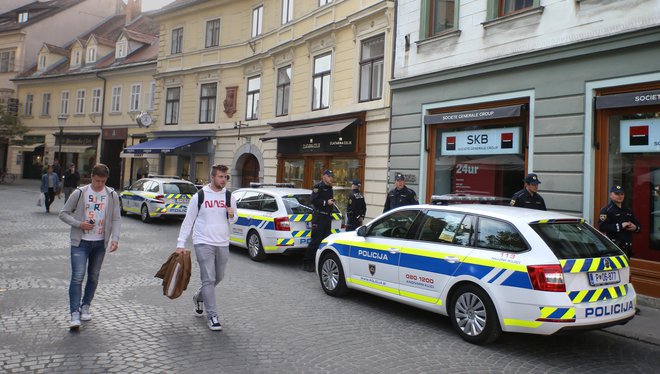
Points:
[[88, 255], [49, 197], [212, 262], [67, 192]]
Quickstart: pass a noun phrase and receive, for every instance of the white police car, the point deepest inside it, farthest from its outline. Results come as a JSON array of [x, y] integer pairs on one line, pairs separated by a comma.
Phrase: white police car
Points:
[[157, 196], [274, 218], [489, 268]]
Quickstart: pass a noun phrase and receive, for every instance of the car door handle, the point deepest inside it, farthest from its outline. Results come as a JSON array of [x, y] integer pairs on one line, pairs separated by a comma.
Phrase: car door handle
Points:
[[452, 260], [394, 251]]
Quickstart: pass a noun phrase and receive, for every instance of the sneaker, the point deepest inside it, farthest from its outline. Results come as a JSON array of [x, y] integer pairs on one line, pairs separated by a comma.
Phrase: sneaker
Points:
[[214, 323], [74, 323], [85, 314], [198, 305]]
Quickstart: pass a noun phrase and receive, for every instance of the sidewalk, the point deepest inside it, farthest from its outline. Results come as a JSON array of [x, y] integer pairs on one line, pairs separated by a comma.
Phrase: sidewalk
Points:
[[644, 327]]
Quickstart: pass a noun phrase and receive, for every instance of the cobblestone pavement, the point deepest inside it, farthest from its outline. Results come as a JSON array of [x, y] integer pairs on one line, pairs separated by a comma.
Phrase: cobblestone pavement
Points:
[[276, 318]]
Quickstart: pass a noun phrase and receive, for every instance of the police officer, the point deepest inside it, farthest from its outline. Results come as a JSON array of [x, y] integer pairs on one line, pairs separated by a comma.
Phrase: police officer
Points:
[[357, 208], [400, 195], [323, 202], [529, 197], [618, 222]]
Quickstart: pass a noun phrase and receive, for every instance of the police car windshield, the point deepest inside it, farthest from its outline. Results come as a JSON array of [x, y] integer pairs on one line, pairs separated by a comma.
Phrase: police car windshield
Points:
[[179, 187], [300, 204], [571, 240]]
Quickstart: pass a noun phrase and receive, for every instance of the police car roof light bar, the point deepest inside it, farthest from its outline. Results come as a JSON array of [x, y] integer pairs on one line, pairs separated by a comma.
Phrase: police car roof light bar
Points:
[[281, 185]]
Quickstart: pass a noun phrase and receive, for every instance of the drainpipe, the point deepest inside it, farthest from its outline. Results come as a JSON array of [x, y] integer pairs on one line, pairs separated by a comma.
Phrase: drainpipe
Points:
[[389, 148], [105, 82]]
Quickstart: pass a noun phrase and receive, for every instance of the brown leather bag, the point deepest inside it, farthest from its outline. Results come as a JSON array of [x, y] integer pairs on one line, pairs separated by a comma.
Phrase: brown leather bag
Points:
[[175, 273]]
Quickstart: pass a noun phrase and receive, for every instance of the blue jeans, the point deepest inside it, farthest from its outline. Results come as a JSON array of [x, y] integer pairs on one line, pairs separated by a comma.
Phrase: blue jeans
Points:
[[86, 256]]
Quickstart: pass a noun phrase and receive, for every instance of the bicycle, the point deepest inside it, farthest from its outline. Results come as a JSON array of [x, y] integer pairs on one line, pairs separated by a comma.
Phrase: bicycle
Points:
[[7, 178]]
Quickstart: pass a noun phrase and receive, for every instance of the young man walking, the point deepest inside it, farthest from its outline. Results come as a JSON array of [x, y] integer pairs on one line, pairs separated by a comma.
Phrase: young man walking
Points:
[[210, 226], [92, 211], [50, 184]]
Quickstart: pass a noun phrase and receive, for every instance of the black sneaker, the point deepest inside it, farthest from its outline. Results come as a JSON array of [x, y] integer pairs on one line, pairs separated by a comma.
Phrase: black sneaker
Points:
[[198, 305], [214, 323]]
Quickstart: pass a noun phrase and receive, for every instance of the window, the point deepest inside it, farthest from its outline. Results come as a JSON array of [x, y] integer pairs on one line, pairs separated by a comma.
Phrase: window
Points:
[[249, 201], [441, 16], [136, 94], [395, 225], [7, 60], [321, 77], [371, 68], [23, 17], [64, 102], [80, 102], [115, 104], [96, 100], [575, 240], [512, 6], [91, 55], [324, 2], [442, 227], [172, 106], [177, 41], [283, 91], [75, 61], [252, 107], [213, 33], [122, 49], [42, 62], [29, 100], [493, 234], [152, 95], [45, 104], [287, 11], [257, 21], [207, 102]]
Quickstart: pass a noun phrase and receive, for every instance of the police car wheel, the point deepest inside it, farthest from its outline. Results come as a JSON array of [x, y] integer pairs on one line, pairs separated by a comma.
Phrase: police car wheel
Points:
[[331, 275], [473, 315], [255, 248], [144, 214], [121, 208]]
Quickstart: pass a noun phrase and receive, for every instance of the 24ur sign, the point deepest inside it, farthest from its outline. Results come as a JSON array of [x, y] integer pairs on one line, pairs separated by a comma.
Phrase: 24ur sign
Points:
[[481, 142]]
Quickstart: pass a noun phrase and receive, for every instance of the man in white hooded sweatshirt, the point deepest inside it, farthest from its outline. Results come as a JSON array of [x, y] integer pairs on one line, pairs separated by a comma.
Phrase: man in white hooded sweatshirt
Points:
[[210, 226]]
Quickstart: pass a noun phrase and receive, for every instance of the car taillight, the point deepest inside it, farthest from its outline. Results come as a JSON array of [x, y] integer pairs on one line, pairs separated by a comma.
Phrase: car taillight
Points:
[[160, 199], [282, 224], [547, 278]]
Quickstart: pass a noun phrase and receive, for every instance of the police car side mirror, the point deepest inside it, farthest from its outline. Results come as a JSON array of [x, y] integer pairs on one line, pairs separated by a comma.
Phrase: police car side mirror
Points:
[[362, 231]]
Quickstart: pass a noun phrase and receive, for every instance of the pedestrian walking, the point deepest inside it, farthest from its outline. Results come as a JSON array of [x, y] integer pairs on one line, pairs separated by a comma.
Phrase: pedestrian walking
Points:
[[618, 222], [209, 214], [529, 196], [71, 180], [400, 195], [93, 214], [323, 203], [57, 168], [50, 184], [357, 208]]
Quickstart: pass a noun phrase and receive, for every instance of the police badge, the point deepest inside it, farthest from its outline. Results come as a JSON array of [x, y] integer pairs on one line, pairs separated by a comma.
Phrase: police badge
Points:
[[603, 217], [372, 269]]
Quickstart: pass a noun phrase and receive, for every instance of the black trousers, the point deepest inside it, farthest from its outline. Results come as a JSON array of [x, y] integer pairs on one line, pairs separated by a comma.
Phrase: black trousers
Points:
[[49, 198], [321, 228]]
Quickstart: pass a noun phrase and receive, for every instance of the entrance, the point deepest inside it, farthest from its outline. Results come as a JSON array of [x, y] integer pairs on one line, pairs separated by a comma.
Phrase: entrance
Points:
[[110, 156], [250, 170]]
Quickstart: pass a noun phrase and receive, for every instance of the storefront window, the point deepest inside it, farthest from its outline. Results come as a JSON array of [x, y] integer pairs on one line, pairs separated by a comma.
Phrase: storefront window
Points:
[[345, 171], [294, 172]]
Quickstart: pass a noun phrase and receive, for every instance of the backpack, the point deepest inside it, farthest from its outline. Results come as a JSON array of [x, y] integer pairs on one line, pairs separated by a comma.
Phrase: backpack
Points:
[[200, 199]]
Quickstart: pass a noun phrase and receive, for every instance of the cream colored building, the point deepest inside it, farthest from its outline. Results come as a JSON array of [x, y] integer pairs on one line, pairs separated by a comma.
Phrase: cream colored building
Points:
[[278, 90]]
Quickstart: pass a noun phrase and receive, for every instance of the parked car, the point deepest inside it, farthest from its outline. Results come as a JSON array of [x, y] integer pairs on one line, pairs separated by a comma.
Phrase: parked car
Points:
[[157, 196]]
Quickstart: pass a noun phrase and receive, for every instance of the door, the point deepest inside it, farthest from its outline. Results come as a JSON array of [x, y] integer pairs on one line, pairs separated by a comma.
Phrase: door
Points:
[[250, 171]]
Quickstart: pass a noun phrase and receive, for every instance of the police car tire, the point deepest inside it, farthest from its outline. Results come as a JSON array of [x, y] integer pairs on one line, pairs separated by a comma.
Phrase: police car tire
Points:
[[476, 300], [121, 208], [144, 214], [258, 255], [331, 274]]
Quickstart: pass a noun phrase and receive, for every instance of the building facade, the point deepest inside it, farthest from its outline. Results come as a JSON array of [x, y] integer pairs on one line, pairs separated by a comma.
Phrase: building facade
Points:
[[486, 91], [277, 90]]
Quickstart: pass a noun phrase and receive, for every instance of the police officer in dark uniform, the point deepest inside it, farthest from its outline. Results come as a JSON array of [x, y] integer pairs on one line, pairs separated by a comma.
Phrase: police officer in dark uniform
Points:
[[529, 197], [323, 202], [400, 195], [356, 208], [618, 222]]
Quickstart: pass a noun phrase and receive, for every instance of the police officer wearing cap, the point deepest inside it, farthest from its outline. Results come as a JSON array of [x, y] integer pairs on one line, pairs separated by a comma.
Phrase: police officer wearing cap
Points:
[[356, 208], [618, 222], [400, 195], [529, 197], [323, 202]]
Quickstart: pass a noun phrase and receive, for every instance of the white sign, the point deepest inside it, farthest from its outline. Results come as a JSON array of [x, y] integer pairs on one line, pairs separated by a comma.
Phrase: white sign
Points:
[[640, 135], [481, 142]]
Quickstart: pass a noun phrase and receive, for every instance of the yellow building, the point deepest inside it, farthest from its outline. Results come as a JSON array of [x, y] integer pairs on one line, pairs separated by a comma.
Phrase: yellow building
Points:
[[278, 90], [81, 100]]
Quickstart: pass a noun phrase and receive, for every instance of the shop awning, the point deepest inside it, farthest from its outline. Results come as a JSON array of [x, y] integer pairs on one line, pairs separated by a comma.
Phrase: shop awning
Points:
[[28, 147], [628, 99], [473, 115], [162, 145], [139, 155], [309, 129]]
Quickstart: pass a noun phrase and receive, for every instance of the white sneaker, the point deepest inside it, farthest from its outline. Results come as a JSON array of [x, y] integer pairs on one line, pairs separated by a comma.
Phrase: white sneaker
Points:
[[74, 323], [214, 323], [85, 314]]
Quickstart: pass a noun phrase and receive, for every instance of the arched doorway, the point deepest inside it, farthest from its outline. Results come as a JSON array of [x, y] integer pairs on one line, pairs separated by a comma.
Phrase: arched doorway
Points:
[[250, 170]]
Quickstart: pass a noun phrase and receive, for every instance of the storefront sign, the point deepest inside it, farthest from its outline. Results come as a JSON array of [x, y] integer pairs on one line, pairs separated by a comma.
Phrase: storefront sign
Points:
[[344, 142], [474, 179], [473, 115], [115, 134], [481, 142], [628, 99], [640, 135]]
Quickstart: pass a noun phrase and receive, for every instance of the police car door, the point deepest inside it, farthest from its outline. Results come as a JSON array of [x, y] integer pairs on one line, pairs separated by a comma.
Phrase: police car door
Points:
[[374, 258], [429, 261]]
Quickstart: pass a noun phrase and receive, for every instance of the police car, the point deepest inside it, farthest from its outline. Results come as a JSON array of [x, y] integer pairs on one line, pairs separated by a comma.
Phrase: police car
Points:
[[489, 268], [274, 218], [157, 196]]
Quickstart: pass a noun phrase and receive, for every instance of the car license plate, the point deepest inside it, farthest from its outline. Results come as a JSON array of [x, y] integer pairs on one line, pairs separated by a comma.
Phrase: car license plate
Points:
[[180, 210], [604, 277]]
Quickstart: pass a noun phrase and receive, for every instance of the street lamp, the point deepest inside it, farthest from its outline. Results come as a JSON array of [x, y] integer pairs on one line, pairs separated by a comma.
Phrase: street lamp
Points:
[[61, 121]]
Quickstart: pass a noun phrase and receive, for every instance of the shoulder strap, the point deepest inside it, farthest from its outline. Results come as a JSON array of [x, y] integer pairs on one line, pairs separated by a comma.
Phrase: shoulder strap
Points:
[[228, 197], [200, 199]]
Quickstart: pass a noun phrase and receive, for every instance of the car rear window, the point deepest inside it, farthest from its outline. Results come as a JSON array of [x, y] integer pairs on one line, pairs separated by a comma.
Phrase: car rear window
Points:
[[184, 188], [300, 204], [576, 239]]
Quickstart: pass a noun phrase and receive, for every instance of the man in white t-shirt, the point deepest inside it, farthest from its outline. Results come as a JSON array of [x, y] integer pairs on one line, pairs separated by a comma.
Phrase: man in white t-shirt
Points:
[[210, 226]]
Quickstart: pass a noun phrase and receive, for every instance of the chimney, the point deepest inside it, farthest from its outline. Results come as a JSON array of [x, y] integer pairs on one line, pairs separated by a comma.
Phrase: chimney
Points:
[[133, 10]]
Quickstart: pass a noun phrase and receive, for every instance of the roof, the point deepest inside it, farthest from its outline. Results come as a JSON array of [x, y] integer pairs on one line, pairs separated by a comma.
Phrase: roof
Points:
[[37, 10], [176, 5], [55, 49], [278, 190], [508, 213]]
